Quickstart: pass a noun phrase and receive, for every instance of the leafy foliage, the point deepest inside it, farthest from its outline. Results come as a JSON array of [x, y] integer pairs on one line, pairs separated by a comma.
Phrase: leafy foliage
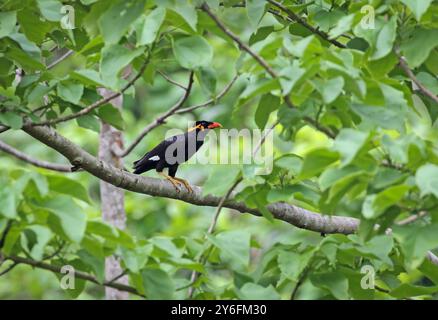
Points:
[[381, 167]]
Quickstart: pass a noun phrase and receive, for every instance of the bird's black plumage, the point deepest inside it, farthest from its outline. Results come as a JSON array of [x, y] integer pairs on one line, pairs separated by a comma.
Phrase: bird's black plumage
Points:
[[175, 150]]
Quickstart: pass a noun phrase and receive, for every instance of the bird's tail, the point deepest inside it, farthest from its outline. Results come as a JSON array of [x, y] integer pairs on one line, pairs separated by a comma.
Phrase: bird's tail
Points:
[[142, 165]]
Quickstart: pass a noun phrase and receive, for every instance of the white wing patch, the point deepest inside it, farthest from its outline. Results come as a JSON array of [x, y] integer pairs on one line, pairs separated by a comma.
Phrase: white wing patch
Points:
[[154, 158]]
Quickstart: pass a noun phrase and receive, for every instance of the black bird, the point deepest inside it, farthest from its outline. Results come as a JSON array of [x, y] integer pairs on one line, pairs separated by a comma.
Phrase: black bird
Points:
[[175, 150]]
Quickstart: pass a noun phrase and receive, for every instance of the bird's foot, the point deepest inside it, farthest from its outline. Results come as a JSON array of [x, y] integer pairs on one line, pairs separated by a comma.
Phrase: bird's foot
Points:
[[173, 181], [185, 183]]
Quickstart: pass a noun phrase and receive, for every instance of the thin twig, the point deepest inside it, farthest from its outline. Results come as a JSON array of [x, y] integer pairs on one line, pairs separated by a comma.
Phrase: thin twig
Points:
[[123, 273], [78, 274], [100, 102], [12, 266], [38, 163], [158, 121], [195, 274], [412, 218], [60, 59], [241, 44], [264, 64], [210, 101], [170, 80], [263, 139], [293, 16], [412, 76]]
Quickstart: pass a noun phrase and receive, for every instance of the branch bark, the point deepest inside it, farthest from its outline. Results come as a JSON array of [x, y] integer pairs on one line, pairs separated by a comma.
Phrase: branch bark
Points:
[[78, 274], [296, 216], [100, 102], [412, 76], [38, 163]]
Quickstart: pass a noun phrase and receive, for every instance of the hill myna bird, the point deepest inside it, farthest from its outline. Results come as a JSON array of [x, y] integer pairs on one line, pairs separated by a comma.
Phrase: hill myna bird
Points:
[[175, 150]]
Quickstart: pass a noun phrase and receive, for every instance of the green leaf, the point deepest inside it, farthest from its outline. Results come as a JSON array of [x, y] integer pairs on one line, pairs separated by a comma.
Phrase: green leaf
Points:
[[426, 178], [348, 143], [207, 79], [192, 52], [253, 291], [385, 39], [8, 202], [50, 9], [182, 9], [148, 29], [112, 115], [43, 236], [376, 204], [114, 58], [317, 161], [255, 9], [407, 290], [234, 246], [118, 18], [268, 103], [292, 264], [7, 23], [418, 47], [68, 215], [418, 7], [68, 187], [334, 282], [96, 264], [220, 180], [157, 284], [69, 91], [11, 119], [330, 89], [89, 122], [415, 241]]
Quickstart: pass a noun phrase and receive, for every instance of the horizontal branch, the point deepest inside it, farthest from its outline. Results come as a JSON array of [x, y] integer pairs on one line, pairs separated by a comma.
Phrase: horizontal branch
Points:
[[294, 215], [158, 121], [38, 163], [78, 274]]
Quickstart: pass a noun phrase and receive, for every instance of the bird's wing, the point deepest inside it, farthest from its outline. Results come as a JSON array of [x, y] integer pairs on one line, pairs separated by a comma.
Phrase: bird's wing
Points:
[[156, 153]]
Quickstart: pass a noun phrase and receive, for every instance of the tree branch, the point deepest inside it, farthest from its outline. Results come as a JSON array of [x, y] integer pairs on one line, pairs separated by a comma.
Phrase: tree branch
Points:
[[161, 118], [240, 43], [294, 17], [99, 102], [210, 101], [170, 80], [78, 274], [60, 59], [412, 76], [38, 163], [264, 64], [296, 216]]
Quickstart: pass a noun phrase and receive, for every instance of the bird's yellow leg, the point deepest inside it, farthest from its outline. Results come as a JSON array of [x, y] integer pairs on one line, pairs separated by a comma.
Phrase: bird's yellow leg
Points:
[[174, 181], [185, 183]]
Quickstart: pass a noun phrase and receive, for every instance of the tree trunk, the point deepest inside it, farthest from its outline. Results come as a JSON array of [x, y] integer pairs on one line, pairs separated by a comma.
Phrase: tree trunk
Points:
[[112, 198]]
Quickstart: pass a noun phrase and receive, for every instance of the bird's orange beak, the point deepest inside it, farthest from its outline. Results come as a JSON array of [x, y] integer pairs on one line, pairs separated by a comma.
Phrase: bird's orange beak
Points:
[[214, 125]]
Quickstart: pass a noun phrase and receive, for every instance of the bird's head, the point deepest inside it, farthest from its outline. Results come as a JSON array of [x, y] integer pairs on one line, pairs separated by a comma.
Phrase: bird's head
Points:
[[203, 125]]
